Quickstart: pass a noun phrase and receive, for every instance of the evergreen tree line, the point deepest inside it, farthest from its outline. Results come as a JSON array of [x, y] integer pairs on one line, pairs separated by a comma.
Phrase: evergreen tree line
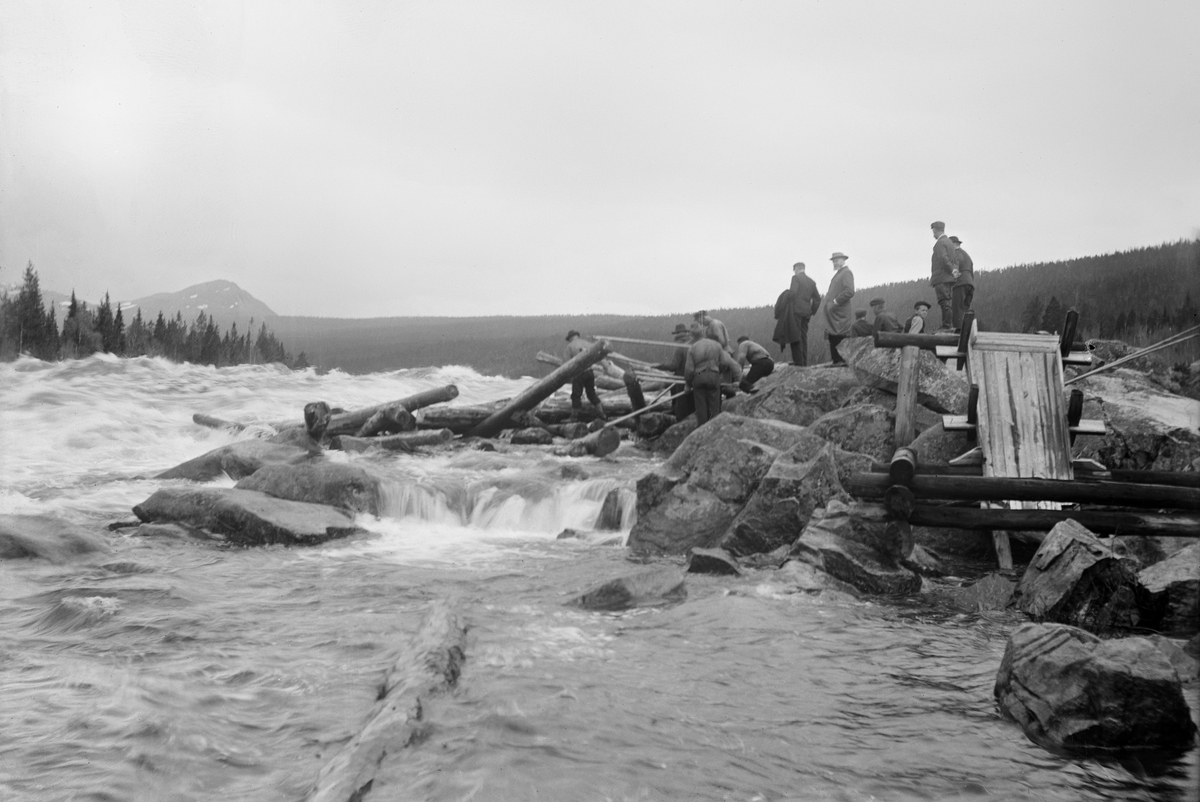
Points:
[[27, 327]]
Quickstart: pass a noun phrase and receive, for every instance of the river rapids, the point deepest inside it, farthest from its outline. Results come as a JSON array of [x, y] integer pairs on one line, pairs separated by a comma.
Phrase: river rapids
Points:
[[180, 670]]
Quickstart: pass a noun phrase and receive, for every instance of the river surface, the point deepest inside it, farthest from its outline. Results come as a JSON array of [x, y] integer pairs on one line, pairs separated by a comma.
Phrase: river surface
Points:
[[179, 670]]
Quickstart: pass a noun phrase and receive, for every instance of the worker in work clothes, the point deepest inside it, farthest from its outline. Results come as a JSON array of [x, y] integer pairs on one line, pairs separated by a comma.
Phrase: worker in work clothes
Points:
[[714, 329], [963, 292], [916, 323], [884, 320], [861, 326], [707, 362], [585, 381], [681, 406], [941, 276], [750, 353], [837, 305]]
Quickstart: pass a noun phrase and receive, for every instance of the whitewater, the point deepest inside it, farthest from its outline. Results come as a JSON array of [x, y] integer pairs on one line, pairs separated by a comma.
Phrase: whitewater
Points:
[[175, 669]]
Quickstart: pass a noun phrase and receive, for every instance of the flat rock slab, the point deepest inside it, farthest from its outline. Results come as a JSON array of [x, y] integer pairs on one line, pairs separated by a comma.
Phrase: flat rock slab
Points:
[[940, 388], [712, 561], [652, 588], [1068, 689], [797, 395], [336, 484], [246, 517], [46, 538], [237, 460]]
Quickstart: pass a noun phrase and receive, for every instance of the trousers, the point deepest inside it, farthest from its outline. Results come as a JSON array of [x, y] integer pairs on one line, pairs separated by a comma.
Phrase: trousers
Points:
[[961, 303]]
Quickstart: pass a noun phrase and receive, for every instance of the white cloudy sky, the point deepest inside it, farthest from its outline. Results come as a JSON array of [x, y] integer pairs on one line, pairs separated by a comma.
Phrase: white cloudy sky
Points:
[[452, 158]]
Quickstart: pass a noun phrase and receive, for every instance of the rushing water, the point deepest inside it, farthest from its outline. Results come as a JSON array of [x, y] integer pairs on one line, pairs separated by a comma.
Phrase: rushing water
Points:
[[177, 670]]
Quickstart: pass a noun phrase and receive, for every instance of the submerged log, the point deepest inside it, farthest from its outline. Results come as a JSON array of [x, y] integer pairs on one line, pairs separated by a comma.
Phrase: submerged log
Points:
[[350, 422], [1003, 488], [599, 443], [389, 420], [1102, 522], [459, 420], [216, 423], [406, 441], [543, 388]]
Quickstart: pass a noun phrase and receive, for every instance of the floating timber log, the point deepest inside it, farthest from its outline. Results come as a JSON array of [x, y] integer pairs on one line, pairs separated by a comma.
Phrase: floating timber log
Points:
[[216, 423], [406, 441], [599, 443], [543, 388], [570, 431], [1101, 522], [392, 419], [350, 422], [460, 419], [602, 382], [671, 344], [1002, 488]]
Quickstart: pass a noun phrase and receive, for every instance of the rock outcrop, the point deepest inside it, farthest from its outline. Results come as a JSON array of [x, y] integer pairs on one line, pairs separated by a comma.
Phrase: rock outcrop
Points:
[[246, 517], [1068, 689], [1174, 589], [796, 395], [940, 388], [1148, 428], [45, 538], [237, 460], [336, 484], [859, 547], [862, 428], [712, 561], [652, 588]]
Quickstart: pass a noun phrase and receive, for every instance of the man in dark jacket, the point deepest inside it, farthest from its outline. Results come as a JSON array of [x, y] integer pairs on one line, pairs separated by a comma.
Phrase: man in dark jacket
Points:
[[942, 272], [861, 327], [707, 362], [584, 382], [794, 311], [916, 323], [964, 283], [884, 321]]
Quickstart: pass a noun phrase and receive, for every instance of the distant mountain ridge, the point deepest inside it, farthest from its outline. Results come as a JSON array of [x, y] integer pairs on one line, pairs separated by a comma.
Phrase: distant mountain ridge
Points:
[[221, 300]]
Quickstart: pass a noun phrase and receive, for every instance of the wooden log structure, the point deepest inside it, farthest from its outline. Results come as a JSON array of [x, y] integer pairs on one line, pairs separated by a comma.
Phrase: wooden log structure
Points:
[[599, 443], [351, 422], [1082, 474], [543, 388], [906, 397], [406, 441], [201, 419], [1100, 522], [1003, 488], [392, 419], [458, 419]]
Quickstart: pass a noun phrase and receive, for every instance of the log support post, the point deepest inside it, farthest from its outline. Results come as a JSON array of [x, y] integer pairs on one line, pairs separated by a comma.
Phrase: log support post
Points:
[[906, 397]]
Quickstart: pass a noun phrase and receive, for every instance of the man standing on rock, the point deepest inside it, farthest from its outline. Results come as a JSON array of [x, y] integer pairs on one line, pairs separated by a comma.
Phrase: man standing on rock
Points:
[[884, 321], [585, 381], [706, 362], [714, 329], [794, 311], [837, 305], [964, 283], [942, 272], [861, 327], [750, 353]]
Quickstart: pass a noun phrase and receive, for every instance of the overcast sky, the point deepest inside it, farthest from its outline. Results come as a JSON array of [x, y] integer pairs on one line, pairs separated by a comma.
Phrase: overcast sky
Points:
[[360, 159]]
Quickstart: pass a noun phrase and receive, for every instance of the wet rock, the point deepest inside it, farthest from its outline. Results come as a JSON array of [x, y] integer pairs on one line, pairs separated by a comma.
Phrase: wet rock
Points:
[[653, 424], [940, 388], [1185, 665], [673, 436], [685, 517], [532, 436], [784, 501], [1069, 689], [924, 562], [237, 460], [863, 429], [1148, 428], [797, 395], [804, 577], [856, 547], [1075, 579], [651, 588], [712, 561], [991, 592], [1174, 588], [731, 454], [968, 543], [176, 532], [1147, 550], [609, 519], [336, 484], [246, 517], [45, 538], [771, 559]]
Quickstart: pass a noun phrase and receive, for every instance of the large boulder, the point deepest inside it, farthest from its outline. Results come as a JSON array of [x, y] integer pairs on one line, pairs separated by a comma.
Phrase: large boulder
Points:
[[651, 588], [1147, 427], [862, 428], [797, 395], [666, 443], [46, 538], [246, 517], [684, 517], [857, 545], [1068, 689], [1174, 588], [1075, 579], [785, 500], [237, 460], [940, 387], [337, 484]]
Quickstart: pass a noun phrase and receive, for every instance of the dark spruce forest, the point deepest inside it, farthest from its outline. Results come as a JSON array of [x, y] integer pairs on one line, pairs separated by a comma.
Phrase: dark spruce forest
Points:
[[1139, 296]]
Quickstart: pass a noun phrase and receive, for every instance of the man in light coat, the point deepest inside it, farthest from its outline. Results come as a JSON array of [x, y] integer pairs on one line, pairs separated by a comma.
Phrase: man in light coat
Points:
[[837, 305], [941, 276]]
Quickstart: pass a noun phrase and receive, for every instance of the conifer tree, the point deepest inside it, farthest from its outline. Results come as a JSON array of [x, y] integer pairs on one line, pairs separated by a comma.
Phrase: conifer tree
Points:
[[1031, 317], [1053, 317]]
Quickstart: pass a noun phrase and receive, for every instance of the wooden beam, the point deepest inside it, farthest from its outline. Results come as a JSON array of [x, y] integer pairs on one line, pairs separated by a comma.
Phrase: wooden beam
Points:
[[1003, 488], [959, 423], [928, 342], [671, 344], [906, 397], [1101, 522]]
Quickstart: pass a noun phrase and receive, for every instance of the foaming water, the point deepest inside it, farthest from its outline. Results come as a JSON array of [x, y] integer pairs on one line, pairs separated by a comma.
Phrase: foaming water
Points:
[[176, 669]]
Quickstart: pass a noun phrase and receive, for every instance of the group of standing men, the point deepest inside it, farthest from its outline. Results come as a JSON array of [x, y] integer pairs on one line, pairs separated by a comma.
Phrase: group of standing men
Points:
[[952, 278]]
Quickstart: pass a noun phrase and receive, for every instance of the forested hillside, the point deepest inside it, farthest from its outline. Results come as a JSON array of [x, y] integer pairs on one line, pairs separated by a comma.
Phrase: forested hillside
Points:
[[1133, 295]]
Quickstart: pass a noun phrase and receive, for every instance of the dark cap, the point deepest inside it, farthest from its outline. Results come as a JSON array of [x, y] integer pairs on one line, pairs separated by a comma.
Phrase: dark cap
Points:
[[743, 338], [925, 304], [860, 313], [877, 302], [798, 265], [955, 240], [937, 224], [572, 333]]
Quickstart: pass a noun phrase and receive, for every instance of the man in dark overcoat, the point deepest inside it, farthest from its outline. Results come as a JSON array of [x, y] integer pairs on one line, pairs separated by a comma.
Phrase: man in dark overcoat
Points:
[[793, 312], [941, 276], [964, 283]]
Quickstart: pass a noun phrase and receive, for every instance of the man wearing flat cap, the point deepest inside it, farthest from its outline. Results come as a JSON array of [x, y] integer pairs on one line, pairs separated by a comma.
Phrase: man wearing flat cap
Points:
[[964, 283], [916, 323], [942, 273], [837, 305], [884, 321]]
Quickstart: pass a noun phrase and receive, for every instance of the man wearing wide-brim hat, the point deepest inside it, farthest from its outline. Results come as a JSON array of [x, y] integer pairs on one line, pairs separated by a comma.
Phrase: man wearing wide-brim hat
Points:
[[838, 314]]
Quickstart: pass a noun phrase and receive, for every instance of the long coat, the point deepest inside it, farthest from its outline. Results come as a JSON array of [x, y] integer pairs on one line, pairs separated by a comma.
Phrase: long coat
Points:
[[941, 268], [966, 269], [838, 314], [794, 308]]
